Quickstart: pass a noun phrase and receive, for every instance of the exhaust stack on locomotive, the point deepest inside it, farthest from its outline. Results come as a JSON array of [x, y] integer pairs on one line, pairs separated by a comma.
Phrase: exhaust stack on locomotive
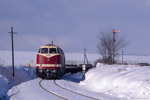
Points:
[[50, 61]]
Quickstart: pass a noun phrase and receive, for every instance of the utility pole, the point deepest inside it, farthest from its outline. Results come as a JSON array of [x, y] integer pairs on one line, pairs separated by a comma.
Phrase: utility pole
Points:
[[84, 65], [114, 40], [122, 56], [12, 50], [84, 55]]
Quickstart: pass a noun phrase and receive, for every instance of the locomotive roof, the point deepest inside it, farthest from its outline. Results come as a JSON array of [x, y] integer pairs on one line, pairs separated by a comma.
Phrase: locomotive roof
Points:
[[49, 45]]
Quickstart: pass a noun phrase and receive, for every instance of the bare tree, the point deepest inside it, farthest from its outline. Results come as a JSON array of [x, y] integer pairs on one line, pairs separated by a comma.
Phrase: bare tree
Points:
[[109, 45]]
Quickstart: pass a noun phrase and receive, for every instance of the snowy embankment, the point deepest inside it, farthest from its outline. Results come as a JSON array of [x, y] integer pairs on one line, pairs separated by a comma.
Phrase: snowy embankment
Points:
[[3, 86], [22, 74], [119, 81]]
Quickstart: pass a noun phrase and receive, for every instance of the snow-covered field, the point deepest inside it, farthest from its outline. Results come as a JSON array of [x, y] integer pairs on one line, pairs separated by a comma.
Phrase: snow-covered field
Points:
[[24, 57], [104, 82]]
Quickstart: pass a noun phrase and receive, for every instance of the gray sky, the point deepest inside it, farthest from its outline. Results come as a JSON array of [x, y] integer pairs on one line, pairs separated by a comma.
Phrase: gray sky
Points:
[[74, 24]]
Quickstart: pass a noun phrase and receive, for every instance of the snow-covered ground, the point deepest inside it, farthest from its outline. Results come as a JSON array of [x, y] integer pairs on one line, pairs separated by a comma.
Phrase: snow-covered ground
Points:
[[30, 90], [105, 82], [120, 81], [22, 74], [3, 86]]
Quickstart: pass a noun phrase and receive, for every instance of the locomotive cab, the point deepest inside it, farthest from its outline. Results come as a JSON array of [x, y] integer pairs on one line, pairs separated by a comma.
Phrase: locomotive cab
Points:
[[50, 62]]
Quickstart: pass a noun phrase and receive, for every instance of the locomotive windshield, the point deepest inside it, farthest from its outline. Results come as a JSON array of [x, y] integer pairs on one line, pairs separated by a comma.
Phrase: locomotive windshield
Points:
[[60, 51], [44, 50], [52, 50]]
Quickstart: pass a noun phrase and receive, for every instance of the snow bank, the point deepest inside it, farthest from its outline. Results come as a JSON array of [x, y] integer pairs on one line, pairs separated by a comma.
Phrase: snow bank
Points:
[[121, 81], [3, 86], [22, 74]]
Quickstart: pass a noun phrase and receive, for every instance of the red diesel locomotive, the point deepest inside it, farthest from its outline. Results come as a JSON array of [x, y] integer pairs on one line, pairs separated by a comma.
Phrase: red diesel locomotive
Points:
[[50, 62]]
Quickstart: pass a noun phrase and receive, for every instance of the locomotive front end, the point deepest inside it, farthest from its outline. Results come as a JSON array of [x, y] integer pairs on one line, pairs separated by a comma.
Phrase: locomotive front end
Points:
[[50, 62]]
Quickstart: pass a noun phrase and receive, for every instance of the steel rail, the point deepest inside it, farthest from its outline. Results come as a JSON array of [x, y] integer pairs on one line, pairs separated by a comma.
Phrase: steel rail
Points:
[[75, 92], [51, 92]]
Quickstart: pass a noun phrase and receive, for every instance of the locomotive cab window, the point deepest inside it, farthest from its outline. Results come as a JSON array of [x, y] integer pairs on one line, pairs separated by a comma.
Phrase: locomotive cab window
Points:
[[52, 50], [39, 50], [60, 51], [44, 50]]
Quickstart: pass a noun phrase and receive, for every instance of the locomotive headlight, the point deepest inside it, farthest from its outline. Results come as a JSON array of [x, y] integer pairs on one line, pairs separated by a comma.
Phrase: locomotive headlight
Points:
[[48, 70], [40, 71], [54, 71]]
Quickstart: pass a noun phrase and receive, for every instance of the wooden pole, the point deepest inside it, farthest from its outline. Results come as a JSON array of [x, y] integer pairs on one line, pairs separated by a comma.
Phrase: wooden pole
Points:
[[113, 58], [84, 55], [114, 46], [12, 44], [122, 56]]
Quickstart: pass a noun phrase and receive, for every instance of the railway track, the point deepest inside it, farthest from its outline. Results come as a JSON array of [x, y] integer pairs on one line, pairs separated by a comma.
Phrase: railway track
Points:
[[66, 94], [51, 92]]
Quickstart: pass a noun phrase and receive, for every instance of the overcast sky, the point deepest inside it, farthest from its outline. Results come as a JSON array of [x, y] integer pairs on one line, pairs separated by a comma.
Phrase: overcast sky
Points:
[[74, 24]]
